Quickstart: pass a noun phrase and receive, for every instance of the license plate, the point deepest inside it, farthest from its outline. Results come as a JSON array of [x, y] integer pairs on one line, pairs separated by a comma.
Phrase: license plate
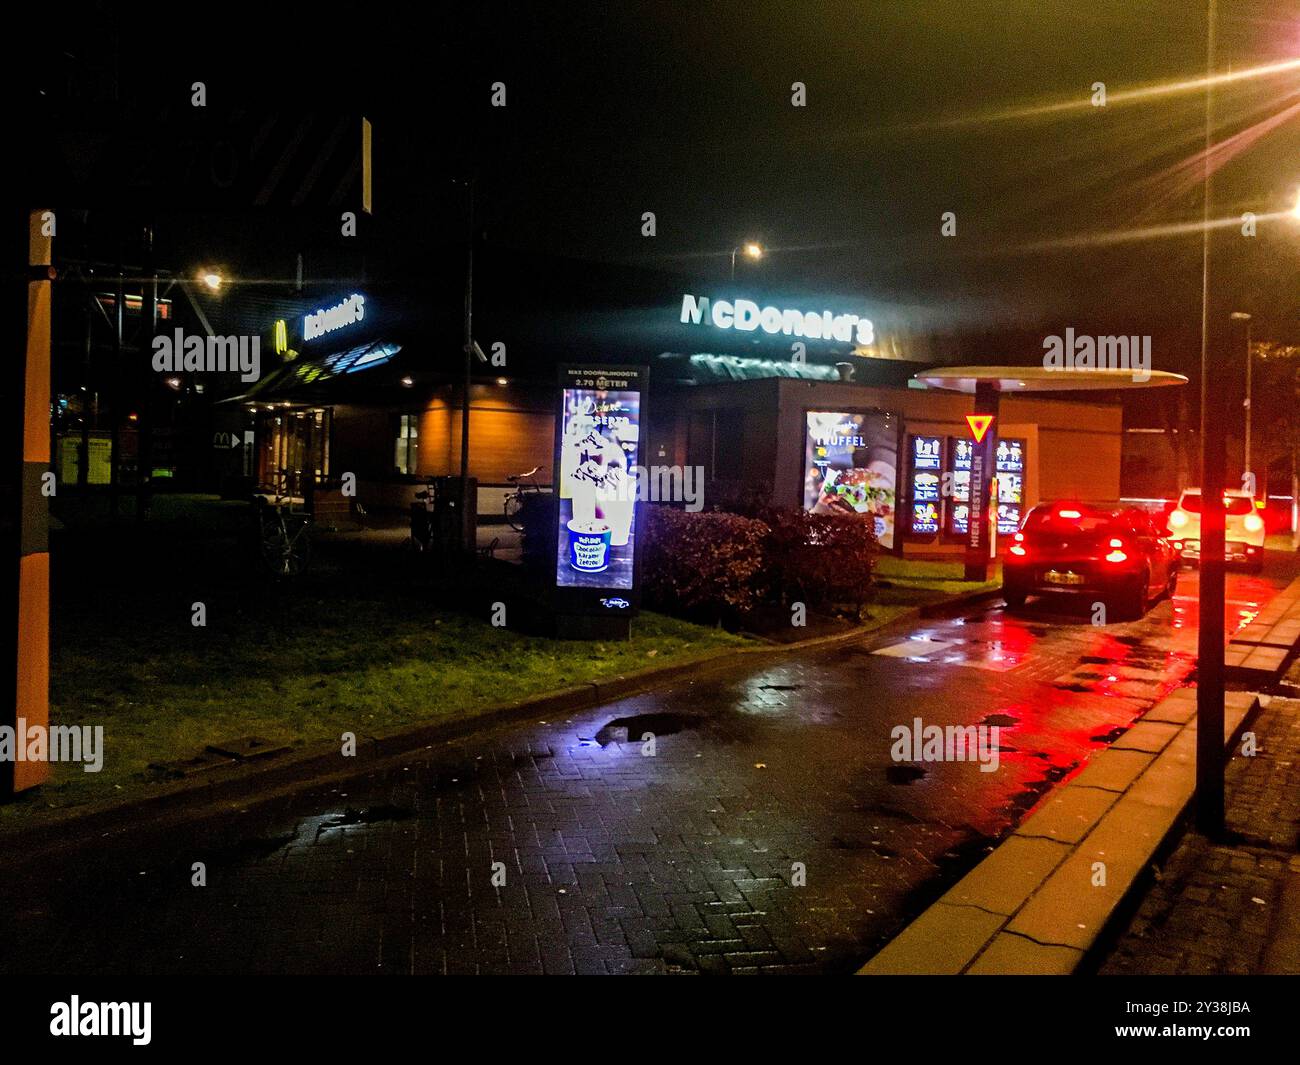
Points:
[[1056, 577]]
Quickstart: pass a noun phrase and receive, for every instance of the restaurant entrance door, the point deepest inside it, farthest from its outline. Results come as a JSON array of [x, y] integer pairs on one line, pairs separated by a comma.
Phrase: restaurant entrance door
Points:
[[293, 450]]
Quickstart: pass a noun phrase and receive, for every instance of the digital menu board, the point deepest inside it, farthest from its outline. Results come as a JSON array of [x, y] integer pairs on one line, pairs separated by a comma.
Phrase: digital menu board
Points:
[[960, 452], [1010, 470], [926, 468], [599, 437], [851, 466]]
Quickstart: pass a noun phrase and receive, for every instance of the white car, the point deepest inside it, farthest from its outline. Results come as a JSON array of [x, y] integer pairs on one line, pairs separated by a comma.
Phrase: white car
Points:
[[1243, 533]]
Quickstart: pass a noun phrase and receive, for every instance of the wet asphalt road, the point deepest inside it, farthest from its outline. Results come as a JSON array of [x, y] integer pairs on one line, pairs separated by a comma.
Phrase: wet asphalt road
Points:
[[615, 861]]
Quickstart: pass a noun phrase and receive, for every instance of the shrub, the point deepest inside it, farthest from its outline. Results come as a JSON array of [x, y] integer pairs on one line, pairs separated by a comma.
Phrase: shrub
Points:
[[820, 559], [706, 561]]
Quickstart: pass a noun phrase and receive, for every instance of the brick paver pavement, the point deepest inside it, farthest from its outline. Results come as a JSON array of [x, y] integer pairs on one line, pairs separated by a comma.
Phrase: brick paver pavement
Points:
[[1231, 906], [615, 861]]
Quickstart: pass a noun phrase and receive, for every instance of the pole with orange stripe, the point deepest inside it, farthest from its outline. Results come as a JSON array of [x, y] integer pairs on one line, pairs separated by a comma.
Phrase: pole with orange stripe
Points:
[[31, 657]]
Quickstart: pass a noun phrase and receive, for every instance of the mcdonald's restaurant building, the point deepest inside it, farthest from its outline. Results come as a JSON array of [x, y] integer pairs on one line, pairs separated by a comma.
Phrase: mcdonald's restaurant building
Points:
[[795, 400]]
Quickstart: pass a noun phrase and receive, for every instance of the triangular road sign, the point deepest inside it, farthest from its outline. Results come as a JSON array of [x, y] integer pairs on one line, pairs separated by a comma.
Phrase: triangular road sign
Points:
[[979, 425]]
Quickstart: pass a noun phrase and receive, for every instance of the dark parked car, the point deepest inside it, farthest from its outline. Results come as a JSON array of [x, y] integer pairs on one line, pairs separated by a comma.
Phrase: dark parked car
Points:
[[1111, 552]]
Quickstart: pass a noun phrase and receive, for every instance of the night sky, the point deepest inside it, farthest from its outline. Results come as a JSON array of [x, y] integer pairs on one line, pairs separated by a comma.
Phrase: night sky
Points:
[[913, 108]]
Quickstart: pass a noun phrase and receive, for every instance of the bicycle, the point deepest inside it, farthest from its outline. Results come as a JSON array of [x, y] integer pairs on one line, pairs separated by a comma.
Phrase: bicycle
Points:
[[516, 501], [421, 537], [284, 543]]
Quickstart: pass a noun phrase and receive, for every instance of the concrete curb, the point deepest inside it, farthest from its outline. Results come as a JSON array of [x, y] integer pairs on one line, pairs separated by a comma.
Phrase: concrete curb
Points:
[[249, 784], [1040, 902], [1259, 653]]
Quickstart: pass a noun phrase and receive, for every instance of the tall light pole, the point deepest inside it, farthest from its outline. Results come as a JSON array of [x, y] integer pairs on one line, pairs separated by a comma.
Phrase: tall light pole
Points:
[[752, 250], [1242, 316], [1209, 642]]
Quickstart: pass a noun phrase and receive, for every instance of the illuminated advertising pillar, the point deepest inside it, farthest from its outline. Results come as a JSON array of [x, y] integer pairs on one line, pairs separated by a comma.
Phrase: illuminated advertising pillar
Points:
[[599, 427], [979, 530]]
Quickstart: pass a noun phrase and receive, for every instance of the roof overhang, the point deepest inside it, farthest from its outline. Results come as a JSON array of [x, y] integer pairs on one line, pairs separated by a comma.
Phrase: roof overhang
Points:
[[1043, 379]]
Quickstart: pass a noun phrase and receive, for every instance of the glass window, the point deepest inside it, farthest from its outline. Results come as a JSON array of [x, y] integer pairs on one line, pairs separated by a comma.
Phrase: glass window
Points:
[[407, 450]]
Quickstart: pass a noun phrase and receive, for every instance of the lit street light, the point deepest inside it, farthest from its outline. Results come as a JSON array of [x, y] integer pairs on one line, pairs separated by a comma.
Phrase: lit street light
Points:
[[212, 279], [752, 250]]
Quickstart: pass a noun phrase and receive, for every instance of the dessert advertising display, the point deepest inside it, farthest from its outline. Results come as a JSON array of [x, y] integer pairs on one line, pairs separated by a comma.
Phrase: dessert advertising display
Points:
[[599, 440], [851, 467]]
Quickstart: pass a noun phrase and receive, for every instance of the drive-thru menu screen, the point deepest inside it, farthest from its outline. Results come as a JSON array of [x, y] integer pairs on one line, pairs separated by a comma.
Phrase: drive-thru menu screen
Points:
[[1010, 471], [926, 454]]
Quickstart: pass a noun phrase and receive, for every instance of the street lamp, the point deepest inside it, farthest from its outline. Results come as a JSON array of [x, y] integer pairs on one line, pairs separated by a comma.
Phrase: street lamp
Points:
[[1242, 316], [212, 280], [752, 249]]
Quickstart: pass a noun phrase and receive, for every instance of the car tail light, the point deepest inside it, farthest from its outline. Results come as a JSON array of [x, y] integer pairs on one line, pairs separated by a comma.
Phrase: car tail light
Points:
[[1253, 522], [1116, 553], [1073, 515], [1177, 519], [1018, 548]]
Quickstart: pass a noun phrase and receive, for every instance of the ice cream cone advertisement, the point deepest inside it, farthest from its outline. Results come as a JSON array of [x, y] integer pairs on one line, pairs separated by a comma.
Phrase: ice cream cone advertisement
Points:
[[599, 431]]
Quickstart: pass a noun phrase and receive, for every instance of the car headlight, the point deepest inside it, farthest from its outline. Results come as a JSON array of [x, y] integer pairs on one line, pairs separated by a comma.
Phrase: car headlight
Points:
[[1253, 523]]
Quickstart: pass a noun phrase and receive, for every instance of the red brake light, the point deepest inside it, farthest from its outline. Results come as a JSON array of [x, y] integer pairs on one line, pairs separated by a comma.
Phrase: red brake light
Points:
[[1073, 515], [1116, 542], [1019, 537]]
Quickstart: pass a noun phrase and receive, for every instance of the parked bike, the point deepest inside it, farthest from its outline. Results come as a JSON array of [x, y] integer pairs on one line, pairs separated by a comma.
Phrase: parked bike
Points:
[[283, 537], [525, 485]]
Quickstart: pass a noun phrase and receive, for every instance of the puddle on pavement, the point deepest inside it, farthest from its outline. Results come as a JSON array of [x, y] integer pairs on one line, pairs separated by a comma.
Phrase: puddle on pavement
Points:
[[883, 809], [1036, 789], [633, 728], [261, 848], [960, 857], [903, 774], [1109, 737], [529, 758], [369, 816]]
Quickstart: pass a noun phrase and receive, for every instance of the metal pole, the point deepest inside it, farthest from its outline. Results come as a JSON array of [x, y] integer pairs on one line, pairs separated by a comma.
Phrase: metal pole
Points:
[[148, 327], [465, 501], [1249, 400], [115, 431], [979, 532], [1209, 675]]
